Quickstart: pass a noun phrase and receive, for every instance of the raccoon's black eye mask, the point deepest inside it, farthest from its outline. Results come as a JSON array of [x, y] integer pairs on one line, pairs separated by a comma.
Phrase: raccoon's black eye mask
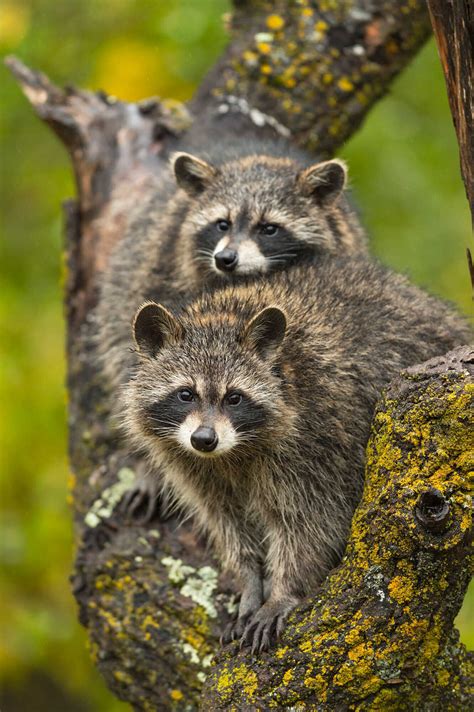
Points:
[[169, 412], [246, 415]]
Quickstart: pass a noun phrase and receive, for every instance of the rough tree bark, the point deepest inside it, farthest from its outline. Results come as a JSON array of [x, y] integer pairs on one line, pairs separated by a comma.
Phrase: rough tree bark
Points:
[[453, 26], [379, 633]]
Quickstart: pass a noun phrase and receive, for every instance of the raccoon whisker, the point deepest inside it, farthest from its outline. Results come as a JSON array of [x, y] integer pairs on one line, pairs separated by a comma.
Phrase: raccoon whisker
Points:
[[250, 440], [163, 428], [281, 258], [206, 261], [240, 453], [282, 254], [170, 424], [209, 253], [158, 422], [278, 262], [245, 435], [202, 258], [246, 445], [163, 433], [203, 254]]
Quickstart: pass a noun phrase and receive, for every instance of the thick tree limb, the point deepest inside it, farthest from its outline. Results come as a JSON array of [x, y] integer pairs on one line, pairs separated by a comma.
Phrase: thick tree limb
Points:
[[114, 148], [150, 596], [316, 67]]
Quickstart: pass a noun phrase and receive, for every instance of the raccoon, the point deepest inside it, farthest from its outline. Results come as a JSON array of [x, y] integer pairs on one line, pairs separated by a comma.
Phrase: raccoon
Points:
[[222, 221], [259, 213], [254, 402]]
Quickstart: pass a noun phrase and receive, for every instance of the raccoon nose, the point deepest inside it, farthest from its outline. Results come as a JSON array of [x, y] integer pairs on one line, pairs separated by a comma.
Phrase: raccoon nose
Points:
[[226, 259], [204, 439]]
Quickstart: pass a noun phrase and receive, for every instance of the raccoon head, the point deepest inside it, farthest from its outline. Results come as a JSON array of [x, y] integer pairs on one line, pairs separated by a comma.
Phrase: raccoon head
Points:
[[258, 213], [206, 388]]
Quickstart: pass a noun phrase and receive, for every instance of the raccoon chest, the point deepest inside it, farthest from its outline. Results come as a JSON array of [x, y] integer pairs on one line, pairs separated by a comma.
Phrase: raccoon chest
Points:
[[210, 489]]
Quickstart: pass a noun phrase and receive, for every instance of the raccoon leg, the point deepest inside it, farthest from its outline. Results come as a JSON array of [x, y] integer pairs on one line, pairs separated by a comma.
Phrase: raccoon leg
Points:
[[235, 539], [250, 601], [238, 545], [266, 624]]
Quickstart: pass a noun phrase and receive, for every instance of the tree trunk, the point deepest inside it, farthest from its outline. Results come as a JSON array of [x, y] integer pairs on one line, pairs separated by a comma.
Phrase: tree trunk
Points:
[[453, 26], [379, 632]]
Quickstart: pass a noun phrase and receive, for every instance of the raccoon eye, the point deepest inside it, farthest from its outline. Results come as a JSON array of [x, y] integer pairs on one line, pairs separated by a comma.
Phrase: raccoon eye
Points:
[[186, 396], [233, 399], [269, 229], [223, 225]]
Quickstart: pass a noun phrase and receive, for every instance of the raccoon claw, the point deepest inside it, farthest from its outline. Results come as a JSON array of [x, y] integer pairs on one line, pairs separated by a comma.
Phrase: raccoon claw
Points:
[[234, 630], [142, 502], [266, 626], [227, 635]]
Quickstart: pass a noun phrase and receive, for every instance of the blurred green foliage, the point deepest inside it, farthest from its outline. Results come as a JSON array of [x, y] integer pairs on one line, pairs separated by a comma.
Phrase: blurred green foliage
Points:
[[404, 166]]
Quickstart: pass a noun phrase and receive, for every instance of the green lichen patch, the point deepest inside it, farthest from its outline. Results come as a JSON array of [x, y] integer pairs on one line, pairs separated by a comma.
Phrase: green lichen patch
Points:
[[135, 613], [197, 584], [103, 507]]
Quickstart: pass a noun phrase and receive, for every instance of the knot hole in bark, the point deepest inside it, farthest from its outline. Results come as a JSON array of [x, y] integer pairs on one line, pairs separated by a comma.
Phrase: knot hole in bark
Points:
[[432, 511]]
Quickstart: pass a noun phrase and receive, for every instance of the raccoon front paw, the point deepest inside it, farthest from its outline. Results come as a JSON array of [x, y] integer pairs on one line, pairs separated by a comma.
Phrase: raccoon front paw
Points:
[[234, 630], [143, 501], [250, 602], [266, 625]]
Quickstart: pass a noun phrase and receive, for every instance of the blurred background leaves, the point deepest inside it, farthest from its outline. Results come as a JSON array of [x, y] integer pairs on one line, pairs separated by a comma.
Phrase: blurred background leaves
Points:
[[404, 167]]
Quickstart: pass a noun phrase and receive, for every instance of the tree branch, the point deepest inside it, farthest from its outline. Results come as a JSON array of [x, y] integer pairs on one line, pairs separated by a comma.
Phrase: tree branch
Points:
[[150, 596], [316, 67]]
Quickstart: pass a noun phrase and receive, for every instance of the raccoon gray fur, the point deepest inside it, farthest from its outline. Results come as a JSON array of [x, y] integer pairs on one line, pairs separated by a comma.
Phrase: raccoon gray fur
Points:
[[255, 402], [250, 211]]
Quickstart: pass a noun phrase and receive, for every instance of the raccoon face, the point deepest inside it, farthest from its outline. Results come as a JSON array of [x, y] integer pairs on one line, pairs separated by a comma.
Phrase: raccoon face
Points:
[[256, 214], [206, 388]]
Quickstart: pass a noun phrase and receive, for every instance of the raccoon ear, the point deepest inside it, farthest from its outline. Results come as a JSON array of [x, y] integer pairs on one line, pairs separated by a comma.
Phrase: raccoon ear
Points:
[[324, 181], [154, 327], [192, 174], [265, 332]]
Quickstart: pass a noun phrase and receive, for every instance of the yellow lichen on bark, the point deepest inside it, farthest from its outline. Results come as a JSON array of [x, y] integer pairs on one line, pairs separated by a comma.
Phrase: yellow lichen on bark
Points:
[[298, 46]]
